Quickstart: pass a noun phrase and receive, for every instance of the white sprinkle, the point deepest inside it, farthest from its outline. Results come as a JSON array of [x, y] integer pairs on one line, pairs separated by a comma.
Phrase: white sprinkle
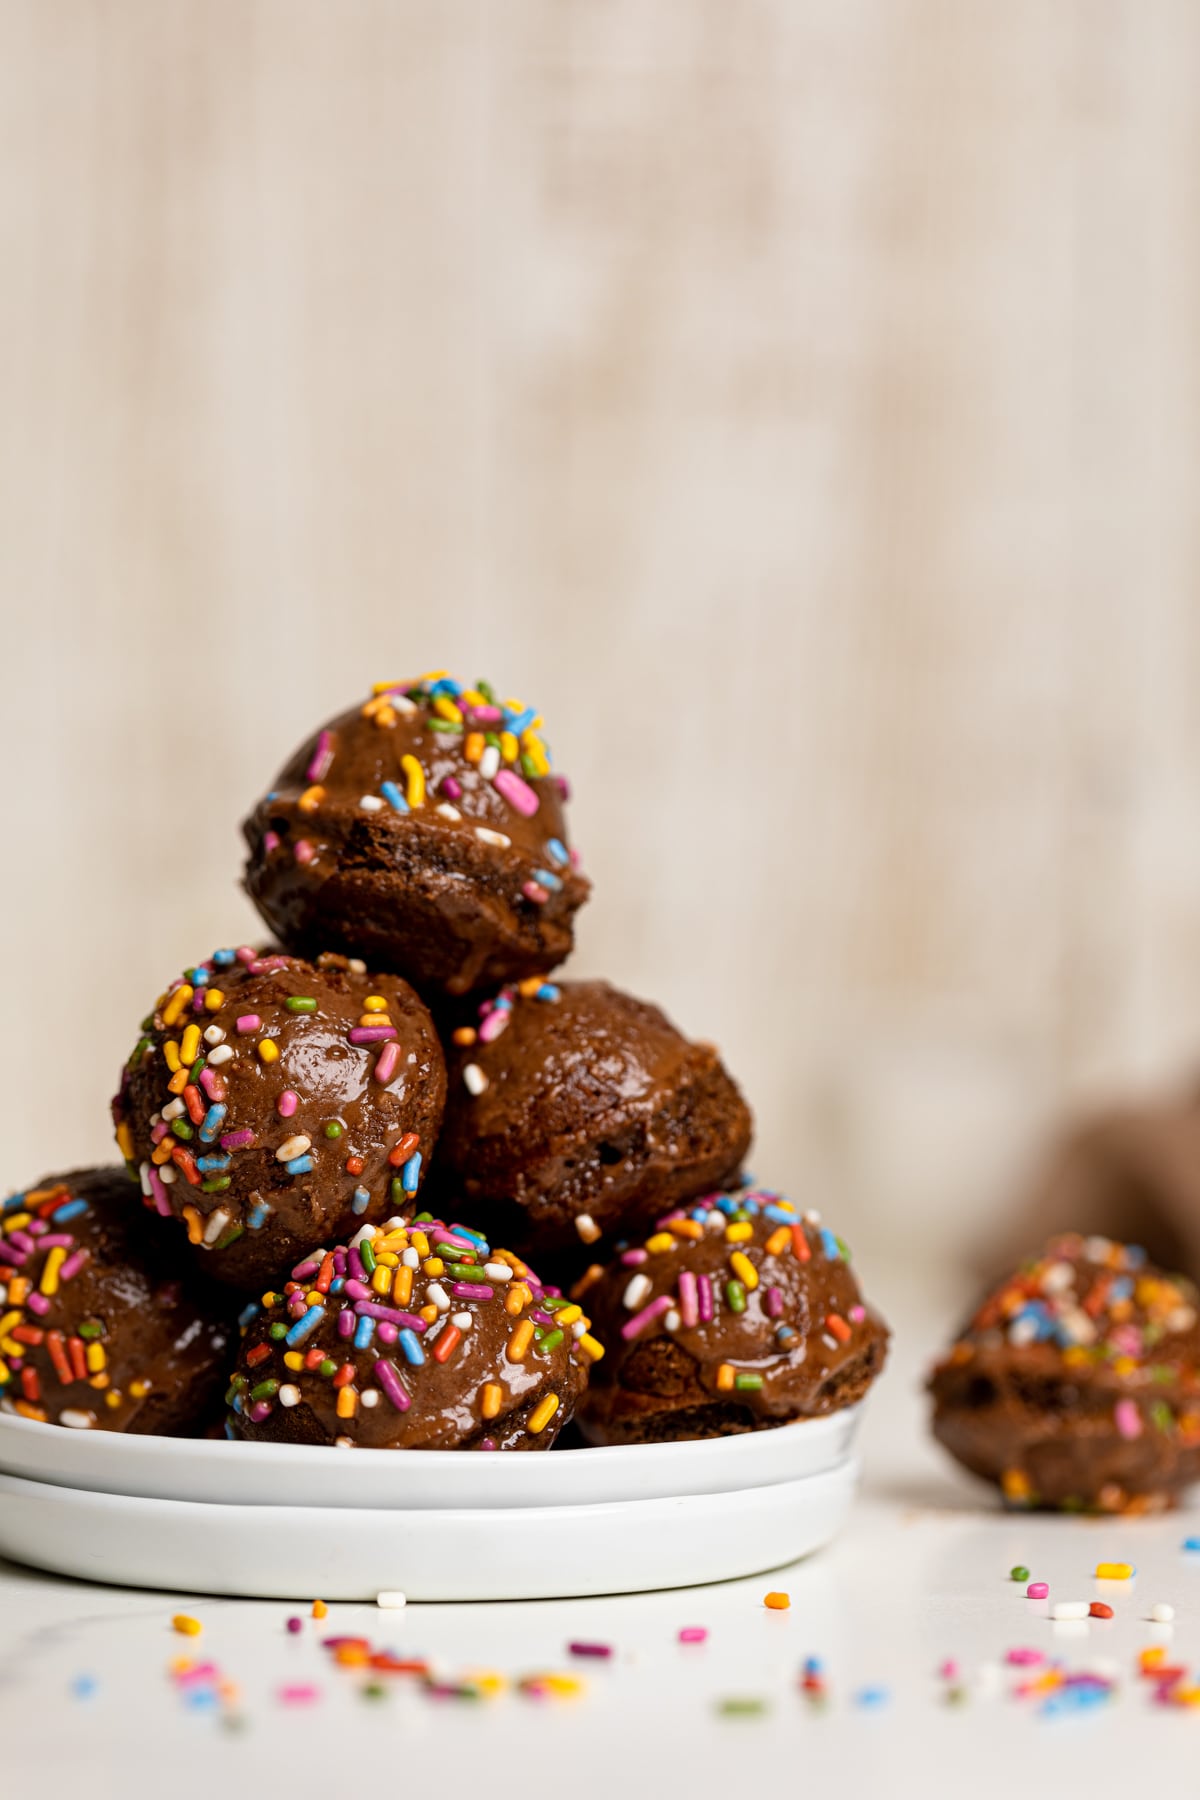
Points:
[[496, 839], [215, 1034], [715, 1220], [437, 1293], [217, 1221], [144, 1179], [497, 1271], [289, 1395], [449, 812], [3, 1294], [1069, 1609], [167, 1173], [369, 1397], [357, 966], [638, 1287], [1181, 1318], [1097, 1249], [462, 1320], [1058, 1277], [579, 1328], [371, 803], [812, 1216], [220, 1055], [343, 1443], [489, 762], [155, 1119], [671, 1321], [474, 1079], [293, 1146], [78, 1421], [391, 1599], [830, 1343], [1161, 1613], [411, 1258], [174, 1109], [587, 1228], [361, 1236]]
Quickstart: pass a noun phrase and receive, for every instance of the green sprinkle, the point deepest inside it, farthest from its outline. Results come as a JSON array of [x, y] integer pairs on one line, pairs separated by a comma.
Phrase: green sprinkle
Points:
[[215, 1184], [141, 1045], [368, 1256], [735, 1294], [1018, 1572], [550, 1342], [266, 1390], [327, 1368], [91, 1328], [300, 1003], [374, 1690], [487, 690], [230, 1237], [492, 738], [747, 1384], [277, 1331], [742, 1706], [528, 766], [181, 1129], [333, 1129], [1162, 1416], [447, 725], [196, 1070]]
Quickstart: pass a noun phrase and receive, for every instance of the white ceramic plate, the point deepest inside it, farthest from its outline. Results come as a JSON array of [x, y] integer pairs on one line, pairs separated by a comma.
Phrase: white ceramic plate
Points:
[[352, 1553], [285, 1475]]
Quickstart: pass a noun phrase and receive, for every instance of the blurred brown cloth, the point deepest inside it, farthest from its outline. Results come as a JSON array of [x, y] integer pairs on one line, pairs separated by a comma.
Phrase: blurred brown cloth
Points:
[[1131, 1172]]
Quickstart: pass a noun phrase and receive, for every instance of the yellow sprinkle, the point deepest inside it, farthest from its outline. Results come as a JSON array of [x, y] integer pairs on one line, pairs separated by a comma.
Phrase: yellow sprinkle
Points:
[[542, 1414], [740, 1232], [8, 1321], [517, 1298], [777, 1602], [54, 1262], [529, 987], [124, 1145], [113, 1398], [178, 1082], [509, 747], [590, 1346], [432, 675], [490, 1397], [744, 1269], [186, 1626], [195, 1225], [385, 718], [293, 1360], [381, 1280], [428, 1313], [725, 1376], [214, 999], [314, 1297], [311, 798], [96, 1359], [446, 709], [567, 1315], [474, 747], [189, 1045], [10, 1347], [347, 1402], [414, 781], [420, 1243], [778, 1241], [381, 687], [433, 1266], [268, 1050], [17, 1221], [171, 1055], [1113, 1571], [520, 1341], [375, 1003], [319, 1609], [662, 1240], [1015, 1484], [179, 999], [139, 1389], [270, 1298]]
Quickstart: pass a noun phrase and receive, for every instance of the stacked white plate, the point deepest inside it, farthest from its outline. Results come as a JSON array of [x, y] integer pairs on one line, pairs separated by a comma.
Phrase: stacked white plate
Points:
[[288, 1522]]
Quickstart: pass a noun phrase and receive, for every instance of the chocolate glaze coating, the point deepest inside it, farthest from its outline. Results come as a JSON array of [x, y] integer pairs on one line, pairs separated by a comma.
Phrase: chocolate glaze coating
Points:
[[464, 886], [1075, 1383], [352, 1112], [593, 1109], [464, 1335], [96, 1328], [801, 1345]]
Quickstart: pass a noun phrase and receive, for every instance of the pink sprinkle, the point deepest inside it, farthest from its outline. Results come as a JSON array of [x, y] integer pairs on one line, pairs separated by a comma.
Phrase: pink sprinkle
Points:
[[693, 1634], [774, 1303], [1037, 1590], [634, 1327], [389, 1381], [287, 1103], [948, 1671], [246, 953], [212, 1084], [451, 788], [259, 1411], [73, 1265], [518, 793], [238, 1140], [308, 1267], [162, 1205], [247, 1023], [387, 1332], [440, 1236], [631, 1258], [486, 715], [580, 1649], [204, 1671], [494, 1024], [299, 1693], [1128, 1419], [295, 1625], [270, 842], [318, 768], [346, 1323], [704, 1283], [857, 1314], [385, 1067], [1024, 1659], [38, 1303], [533, 890], [563, 786], [689, 1306], [303, 851], [371, 1034]]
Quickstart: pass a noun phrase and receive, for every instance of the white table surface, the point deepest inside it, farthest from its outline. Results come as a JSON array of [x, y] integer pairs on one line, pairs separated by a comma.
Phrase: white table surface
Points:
[[920, 1575]]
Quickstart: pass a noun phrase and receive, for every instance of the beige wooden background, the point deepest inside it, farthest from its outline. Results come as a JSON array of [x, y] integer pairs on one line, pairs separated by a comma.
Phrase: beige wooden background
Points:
[[799, 400]]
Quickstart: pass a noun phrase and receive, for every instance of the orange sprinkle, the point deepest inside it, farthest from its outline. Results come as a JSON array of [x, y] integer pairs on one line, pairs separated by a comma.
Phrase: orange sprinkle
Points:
[[777, 1602], [837, 1327]]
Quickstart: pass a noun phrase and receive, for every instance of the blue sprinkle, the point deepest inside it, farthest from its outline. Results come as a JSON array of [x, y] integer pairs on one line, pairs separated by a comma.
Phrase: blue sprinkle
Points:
[[212, 1122], [248, 1314], [476, 1237], [363, 1333], [1135, 1256], [361, 1200], [84, 1686], [229, 1431], [260, 1212], [200, 1699], [830, 1245], [872, 1696], [217, 1160], [813, 1665], [726, 1203], [72, 1210], [303, 1329], [393, 796], [299, 1165], [547, 878], [558, 852], [337, 1284], [14, 1203], [198, 977], [1191, 1543], [518, 722], [410, 1174], [446, 685], [411, 1346], [781, 1217], [223, 958]]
